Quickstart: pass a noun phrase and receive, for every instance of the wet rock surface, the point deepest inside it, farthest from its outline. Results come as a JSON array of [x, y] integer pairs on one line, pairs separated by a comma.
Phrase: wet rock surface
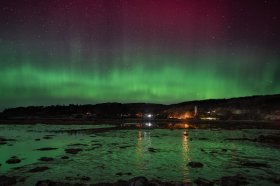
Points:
[[275, 179], [194, 164], [269, 139], [136, 181], [46, 159], [48, 136], [81, 178], [238, 139], [95, 146], [203, 182], [64, 157], [73, 151], [254, 164], [4, 141], [38, 169], [13, 160], [78, 144], [7, 181], [121, 173], [146, 149], [234, 180], [150, 149], [55, 183], [124, 146], [47, 149]]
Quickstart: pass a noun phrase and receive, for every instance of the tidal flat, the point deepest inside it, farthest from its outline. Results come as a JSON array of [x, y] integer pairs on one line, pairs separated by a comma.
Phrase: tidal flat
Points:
[[144, 153]]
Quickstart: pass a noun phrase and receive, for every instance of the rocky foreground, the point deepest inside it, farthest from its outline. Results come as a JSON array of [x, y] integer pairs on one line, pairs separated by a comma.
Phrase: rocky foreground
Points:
[[270, 140], [137, 181]]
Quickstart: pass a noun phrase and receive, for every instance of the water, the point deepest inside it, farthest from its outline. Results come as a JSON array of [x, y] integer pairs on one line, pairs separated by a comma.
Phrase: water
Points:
[[123, 153]]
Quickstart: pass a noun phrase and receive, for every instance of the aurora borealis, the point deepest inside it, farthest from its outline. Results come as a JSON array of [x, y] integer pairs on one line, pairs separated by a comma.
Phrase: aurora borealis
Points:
[[160, 51]]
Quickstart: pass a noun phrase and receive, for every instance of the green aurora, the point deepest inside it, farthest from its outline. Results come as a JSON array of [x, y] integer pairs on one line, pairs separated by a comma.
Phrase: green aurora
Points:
[[87, 52], [145, 81]]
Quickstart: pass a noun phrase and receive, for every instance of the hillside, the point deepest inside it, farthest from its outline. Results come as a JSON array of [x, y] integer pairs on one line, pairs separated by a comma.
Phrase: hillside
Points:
[[244, 108]]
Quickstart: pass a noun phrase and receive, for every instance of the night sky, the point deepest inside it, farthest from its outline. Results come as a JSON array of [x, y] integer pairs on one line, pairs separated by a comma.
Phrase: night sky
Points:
[[161, 51]]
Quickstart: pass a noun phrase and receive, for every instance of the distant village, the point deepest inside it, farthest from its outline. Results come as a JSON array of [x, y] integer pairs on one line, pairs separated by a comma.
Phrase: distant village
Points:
[[185, 114]]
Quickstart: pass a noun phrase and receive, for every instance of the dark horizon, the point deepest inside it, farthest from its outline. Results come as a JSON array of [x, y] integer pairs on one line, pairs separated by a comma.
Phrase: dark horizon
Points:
[[124, 103]]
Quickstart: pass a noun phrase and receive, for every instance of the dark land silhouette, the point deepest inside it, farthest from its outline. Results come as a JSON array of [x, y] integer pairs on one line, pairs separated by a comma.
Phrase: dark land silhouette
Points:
[[244, 108]]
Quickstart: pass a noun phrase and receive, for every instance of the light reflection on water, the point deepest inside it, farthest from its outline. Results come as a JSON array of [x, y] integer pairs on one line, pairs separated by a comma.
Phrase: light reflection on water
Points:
[[185, 155], [157, 153], [140, 151]]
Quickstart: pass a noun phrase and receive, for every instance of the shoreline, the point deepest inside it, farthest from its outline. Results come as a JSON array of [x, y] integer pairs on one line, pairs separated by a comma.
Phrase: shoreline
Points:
[[138, 124], [63, 121]]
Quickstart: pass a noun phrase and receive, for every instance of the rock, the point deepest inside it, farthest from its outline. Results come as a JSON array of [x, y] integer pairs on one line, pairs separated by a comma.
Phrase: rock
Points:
[[161, 183], [68, 178], [234, 180], [47, 137], [47, 148], [124, 147], [150, 149], [73, 151], [202, 139], [203, 182], [271, 139], [5, 140], [195, 164], [78, 144], [64, 157], [38, 169], [238, 139], [85, 178], [13, 160], [2, 139], [95, 146], [46, 159], [44, 183], [254, 164], [120, 183], [138, 181], [7, 181], [155, 183], [276, 179], [119, 174], [54, 183], [17, 168]]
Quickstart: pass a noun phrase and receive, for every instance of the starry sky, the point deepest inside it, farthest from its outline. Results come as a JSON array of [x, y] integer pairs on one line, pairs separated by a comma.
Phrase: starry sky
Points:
[[161, 51]]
